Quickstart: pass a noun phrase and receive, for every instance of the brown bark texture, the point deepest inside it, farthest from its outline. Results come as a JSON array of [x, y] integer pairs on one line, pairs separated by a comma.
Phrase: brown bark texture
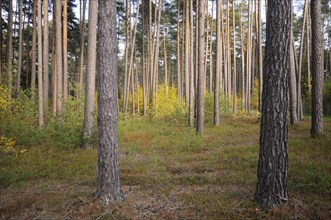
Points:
[[108, 183], [272, 173]]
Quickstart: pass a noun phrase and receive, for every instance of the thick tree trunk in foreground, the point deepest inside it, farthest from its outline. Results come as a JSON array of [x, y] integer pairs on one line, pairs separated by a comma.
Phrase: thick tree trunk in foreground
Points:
[[317, 69], [271, 188], [108, 183], [201, 70], [90, 74]]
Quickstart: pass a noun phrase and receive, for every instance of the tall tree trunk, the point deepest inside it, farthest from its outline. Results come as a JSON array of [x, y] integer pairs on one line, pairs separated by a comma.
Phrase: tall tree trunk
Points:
[[234, 74], [40, 68], [293, 86], [54, 77], [126, 55], [10, 49], [108, 182], [299, 100], [20, 47], [271, 188], [90, 75], [82, 44], [218, 67], [187, 50], [65, 50], [249, 61], [131, 64], [201, 74], [45, 56], [211, 70], [317, 69], [242, 58], [260, 54], [191, 70], [58, 59], [34, 46], [179, 74]]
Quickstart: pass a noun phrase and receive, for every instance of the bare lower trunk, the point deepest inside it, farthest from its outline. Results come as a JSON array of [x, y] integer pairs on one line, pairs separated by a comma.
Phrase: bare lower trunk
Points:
[[271, 188], [45, 56], [317, 69], [40, 69], [201, 74], [58, 59], [90, 75], [108, 182]]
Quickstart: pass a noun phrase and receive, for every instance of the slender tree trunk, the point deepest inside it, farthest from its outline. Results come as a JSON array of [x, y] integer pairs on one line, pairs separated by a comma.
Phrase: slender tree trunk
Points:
[[179, 80], [187, 50], [249, 61], [131, 64], [65, 50], [58, 59], [20, 47], [211, 70], [317, 69], [40, 69], [293, 87], [201, 74], [191, 65], [126, 55], [218, 67], [10, 49], [243, 95], [45, 56], [165, 61], [271, 188], [260, 55], [82, 44], [234, 75], [34, 45], [299, 99], [90, 75], [108, 182], [54, 76]]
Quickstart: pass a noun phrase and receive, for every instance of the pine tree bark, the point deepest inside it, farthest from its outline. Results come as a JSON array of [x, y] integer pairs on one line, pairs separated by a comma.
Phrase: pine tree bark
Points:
[[201, 74], [191, 70], [45, 56], [40, 69], [34, 46], [108, 182], [234, 74], [299, 99], [90, 75], [317, 69], [293, 87], [10, 49], [260, 54], [20, 47], [179, 74], [218, 65], [58, 59], [272, 173], [243, 95], [65, 50], [82, 44]]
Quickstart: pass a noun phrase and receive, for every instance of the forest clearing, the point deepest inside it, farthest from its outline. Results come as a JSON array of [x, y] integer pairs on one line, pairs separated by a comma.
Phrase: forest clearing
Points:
[[168, 172]]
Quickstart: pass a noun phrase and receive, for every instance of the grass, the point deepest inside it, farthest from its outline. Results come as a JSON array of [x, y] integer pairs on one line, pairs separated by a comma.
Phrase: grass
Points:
[[169, 172]]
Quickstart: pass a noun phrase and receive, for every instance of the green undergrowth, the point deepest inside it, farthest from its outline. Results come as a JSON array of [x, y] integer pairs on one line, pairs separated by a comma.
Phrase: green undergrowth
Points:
[[214, 172]]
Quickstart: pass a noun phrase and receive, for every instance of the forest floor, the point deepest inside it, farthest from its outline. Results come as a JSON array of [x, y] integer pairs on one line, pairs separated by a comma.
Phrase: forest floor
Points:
[[169, 172]]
